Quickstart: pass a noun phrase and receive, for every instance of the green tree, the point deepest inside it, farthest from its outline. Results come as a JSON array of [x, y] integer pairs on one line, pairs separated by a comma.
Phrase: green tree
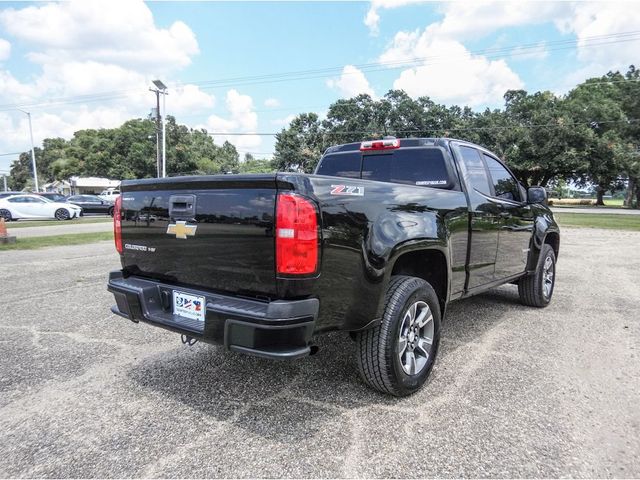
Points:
[[255, 165], [299, 147]]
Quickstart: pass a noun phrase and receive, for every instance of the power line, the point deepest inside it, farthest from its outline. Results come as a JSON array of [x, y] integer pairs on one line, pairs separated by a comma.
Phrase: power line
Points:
[[501, 127], [597, 40]]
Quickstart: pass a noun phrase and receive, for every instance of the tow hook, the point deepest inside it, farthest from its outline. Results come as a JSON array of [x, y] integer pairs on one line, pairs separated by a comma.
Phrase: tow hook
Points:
[[187, 340]]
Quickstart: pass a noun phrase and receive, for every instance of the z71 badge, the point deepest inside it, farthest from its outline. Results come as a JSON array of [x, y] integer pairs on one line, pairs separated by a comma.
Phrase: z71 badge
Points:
[[347, 190]]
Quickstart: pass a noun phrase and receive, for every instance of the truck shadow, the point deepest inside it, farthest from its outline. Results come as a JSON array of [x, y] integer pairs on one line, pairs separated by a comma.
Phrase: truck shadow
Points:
[[270, 398]]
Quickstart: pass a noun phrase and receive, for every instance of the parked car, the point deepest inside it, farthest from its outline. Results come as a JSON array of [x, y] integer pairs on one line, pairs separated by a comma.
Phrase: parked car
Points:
[[34, 206], [376, 243], [110, 194], [8, 194], [56, 197], [92, 204]]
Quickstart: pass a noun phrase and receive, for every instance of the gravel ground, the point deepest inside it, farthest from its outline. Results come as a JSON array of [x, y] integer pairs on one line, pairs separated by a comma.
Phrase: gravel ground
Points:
[[516, 391]]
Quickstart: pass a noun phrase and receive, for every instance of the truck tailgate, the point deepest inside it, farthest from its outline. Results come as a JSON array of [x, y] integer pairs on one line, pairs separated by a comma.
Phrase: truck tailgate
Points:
[[213, 232]]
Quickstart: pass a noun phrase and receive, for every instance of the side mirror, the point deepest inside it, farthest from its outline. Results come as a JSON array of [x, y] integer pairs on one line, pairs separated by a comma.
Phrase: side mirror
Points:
[[537, 195]]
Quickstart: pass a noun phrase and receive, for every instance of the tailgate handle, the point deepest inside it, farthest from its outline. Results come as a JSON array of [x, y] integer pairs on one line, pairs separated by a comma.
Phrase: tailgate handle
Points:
[[182, 206]]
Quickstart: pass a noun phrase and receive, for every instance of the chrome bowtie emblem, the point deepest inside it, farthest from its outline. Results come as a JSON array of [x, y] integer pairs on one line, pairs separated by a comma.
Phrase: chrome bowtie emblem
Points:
[[181, 230]]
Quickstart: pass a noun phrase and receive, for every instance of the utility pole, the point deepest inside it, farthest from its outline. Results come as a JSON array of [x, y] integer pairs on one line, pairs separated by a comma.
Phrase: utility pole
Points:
[[4, 179], [161, 88], [33, 152], [158, 168], [164, 133]]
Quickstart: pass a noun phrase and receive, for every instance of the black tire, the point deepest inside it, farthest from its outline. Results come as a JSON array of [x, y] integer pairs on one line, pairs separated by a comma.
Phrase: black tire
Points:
[[62, 214], [6, 214], [110, 212], [378, 348], [531, 288]]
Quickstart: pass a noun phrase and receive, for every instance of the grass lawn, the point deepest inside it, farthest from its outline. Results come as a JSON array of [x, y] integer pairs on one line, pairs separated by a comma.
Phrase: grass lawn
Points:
[[599, 220], [57, 240], [608, 203], [42, 223]]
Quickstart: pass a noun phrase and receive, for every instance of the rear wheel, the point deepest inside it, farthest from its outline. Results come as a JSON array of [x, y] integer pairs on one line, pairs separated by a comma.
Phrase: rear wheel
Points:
[[6, 214], [62, 214], [110, 212], [396, 356], [536, 289]]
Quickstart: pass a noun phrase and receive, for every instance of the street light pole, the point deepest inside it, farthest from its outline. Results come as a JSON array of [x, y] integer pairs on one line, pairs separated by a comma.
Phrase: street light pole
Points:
[[157, 92], [33, 152], [164, 133], [161, 88]]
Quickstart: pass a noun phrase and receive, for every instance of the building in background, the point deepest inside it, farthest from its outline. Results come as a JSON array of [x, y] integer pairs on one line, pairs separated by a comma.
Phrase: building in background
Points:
[[91, 185], [62, 187]]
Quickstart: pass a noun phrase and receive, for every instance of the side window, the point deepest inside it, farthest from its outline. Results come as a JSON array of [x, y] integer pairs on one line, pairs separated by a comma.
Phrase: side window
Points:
[[340, 165], [504, 184], [476, 172], [17, 200]]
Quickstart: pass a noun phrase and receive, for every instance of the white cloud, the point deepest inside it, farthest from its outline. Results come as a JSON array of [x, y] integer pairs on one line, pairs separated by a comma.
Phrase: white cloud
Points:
[[352, 82], [272, 102], [242, 119], [470, 20], [283, 122], [188, 98], [5, 49], [534, 52], [447, 71], [372, 18], [88, 48], [64, 123], [593, 19], [471, 80], [120, 33]]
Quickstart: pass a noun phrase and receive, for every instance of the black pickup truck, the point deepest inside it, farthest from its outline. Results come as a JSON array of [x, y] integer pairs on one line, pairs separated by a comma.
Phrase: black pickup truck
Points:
[[376, 243]]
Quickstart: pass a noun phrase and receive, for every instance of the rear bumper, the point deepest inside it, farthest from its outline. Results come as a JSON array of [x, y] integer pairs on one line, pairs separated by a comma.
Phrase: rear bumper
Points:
[[279, 329]]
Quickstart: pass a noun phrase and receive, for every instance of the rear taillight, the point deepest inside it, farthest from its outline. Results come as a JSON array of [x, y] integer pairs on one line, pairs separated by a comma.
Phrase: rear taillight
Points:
[[296, 235], [385, 144], [117, 224]]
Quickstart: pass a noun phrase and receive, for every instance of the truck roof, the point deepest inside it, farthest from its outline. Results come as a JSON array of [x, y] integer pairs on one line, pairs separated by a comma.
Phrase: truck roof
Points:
[[404, 142]]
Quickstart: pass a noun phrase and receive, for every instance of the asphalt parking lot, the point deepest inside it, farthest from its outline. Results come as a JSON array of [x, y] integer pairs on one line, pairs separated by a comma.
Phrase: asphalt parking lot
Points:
[[516, 391]]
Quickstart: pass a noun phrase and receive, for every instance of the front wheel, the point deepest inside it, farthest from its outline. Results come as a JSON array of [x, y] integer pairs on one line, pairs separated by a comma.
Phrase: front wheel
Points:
[[110, 212], [62, 214], [6, 214], [397, 356], [535, 290]]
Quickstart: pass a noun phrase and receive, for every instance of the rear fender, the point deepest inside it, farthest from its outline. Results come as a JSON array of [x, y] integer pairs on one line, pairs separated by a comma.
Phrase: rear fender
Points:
[[401, 233]]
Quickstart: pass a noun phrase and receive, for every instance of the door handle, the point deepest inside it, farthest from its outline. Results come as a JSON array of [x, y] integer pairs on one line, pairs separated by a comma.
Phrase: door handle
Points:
[[182, 206]]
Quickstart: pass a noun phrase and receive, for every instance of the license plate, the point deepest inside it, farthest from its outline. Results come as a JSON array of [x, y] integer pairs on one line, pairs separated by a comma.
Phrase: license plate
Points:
[[189, 306]]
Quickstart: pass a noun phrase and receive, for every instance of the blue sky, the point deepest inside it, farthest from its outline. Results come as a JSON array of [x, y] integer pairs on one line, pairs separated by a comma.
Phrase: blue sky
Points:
[[88, 64]]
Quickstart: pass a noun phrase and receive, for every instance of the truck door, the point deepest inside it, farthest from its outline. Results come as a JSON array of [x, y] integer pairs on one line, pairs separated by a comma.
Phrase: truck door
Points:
[[516, 217], [485, 217]]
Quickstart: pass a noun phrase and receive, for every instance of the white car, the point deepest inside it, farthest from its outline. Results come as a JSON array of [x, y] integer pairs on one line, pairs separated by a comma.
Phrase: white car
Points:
[[34, 206], [110, 194]]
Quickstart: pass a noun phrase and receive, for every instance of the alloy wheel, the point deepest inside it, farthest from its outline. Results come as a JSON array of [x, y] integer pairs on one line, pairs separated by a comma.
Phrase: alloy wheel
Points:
[[416, 338], [548, 273]]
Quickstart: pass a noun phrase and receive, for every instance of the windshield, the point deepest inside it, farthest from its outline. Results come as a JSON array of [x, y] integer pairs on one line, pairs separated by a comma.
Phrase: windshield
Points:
[[425, 167]]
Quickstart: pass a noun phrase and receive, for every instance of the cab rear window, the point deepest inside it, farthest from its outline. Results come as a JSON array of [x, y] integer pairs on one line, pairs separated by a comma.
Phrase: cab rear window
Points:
[[410, 166], [345, 164]]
